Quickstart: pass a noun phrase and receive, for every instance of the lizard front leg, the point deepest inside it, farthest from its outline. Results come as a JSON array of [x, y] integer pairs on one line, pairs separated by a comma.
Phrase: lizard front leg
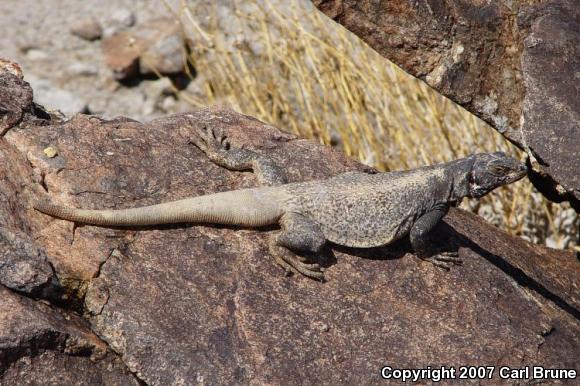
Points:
[[299, 234], [218, 149], [419, 237]]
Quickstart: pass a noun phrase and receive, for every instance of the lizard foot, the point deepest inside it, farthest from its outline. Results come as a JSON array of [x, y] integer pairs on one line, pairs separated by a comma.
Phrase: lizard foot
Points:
[[293, 264], [444, 260], [210, 140], [216, 146]]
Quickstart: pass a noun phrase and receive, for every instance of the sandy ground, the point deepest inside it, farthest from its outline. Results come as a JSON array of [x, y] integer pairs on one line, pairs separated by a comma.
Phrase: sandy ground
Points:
[[67, 72]]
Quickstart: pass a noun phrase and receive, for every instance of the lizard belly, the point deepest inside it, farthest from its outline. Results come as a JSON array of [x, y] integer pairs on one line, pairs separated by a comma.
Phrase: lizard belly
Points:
[[366, 229]]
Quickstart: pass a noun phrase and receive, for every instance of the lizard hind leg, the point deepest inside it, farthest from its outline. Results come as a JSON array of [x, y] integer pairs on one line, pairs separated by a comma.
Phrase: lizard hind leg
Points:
[[218, 149], [299, 234]]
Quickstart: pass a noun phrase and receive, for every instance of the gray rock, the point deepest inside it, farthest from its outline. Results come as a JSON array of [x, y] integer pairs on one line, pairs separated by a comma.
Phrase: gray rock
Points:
[[23, 266], [88, 29], [165, 55], [55, 98], [15, 98], [551, 106], [122, 17]]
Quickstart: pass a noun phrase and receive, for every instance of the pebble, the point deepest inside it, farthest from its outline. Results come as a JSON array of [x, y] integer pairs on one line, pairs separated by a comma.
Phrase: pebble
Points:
[[36, 54], [123, 17], [87, 29], [50, 152]]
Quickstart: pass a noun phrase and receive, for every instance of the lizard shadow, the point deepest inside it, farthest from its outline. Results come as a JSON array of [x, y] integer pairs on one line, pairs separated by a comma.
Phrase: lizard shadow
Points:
[[453, 240], [444, 238], [325, 258], [395, 250]]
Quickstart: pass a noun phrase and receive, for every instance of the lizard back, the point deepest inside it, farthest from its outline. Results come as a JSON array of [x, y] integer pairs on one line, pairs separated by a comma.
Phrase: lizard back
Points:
[[367, 210]]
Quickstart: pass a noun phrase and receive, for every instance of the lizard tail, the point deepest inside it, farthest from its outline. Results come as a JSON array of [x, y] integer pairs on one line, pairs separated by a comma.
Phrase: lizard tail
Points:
[[246, 207]]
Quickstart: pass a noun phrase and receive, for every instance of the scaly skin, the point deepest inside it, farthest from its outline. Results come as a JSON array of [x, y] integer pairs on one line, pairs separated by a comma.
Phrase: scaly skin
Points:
[[353, 209]]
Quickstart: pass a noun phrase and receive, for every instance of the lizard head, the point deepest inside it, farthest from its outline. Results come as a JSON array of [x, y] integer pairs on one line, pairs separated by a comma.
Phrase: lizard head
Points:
[[492, 170]]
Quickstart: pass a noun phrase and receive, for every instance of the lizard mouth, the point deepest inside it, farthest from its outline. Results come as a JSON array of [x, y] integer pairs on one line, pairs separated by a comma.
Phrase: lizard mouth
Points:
[[517, 174]]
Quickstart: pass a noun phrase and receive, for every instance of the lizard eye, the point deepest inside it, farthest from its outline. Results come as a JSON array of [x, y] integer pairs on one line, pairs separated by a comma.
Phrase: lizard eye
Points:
[[499, 169]]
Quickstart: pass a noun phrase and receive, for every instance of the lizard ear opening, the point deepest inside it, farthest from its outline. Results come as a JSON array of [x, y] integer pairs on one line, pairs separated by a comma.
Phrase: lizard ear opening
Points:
[[475, 188]]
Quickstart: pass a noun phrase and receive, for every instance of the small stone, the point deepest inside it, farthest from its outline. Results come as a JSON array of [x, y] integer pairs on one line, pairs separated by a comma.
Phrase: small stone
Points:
[[168, 103], [121, 55], [23, 266], [163, 48], [36, 54], [87, 29], [123, 17], [158, 88], [50, 152]]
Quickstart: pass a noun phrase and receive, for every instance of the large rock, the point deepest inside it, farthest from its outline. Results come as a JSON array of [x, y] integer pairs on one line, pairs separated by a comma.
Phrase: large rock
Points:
[[16, 100], [40, 345], [188, 304], [512, 64]]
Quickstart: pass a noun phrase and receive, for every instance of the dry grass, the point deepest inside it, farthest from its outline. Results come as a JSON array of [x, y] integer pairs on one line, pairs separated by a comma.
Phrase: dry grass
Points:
[[303, 73]]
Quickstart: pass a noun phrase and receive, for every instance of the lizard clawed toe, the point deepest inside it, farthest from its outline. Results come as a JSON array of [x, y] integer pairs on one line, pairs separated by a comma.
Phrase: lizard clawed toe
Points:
[[292, 263], [288, 268], [313, 271], [200, 142], [444, 260], [214, 143]]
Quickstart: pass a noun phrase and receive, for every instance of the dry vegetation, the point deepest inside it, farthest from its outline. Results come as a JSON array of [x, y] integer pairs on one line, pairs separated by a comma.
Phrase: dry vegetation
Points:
[[285, 64]]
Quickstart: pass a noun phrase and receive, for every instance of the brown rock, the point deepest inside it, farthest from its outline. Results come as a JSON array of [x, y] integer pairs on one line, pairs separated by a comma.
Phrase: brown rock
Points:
[[152, 46], [511, 64], [15, 99], [551, 110], [188, 304], [121, 55], [43, 346]]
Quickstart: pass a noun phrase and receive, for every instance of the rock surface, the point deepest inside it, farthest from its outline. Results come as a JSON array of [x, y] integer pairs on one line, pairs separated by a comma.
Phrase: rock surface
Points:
[[189, 304], [513, 64]]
